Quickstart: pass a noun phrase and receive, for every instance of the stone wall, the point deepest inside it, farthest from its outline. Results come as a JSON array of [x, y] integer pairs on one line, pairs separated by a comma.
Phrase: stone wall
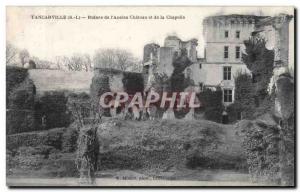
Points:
[[150, 49], [115, 80], [165, 60], [276, 30]]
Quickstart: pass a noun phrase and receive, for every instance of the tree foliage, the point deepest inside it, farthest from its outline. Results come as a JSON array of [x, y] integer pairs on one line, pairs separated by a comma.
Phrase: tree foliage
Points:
[[53, 107], [252, 98], [11, 54], [180, 63], [24, 56], [259, 61], [116, 59], [211, 103], [244, 103], [79, 62]]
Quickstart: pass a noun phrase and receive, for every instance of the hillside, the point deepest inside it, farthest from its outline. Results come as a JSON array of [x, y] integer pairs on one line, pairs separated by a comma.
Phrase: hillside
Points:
[[152, 148]]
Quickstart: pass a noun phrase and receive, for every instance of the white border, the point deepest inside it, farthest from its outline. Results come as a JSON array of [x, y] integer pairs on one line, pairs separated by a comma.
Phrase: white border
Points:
[[4, 3]]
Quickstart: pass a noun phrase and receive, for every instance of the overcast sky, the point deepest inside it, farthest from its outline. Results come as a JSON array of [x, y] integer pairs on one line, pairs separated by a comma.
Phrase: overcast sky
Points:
[[49, 38]]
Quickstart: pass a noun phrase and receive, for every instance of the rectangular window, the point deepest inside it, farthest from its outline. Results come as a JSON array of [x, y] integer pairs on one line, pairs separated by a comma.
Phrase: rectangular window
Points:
[[227, 73], [226, 52], [200, 66], [227, 95], [237, 52], [226, 34], [237, 34]]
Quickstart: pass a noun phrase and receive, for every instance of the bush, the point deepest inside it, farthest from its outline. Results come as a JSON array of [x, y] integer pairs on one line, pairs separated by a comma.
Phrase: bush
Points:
[[244, 102], [66, 168], [216, 161], [22, 96], [69, 141], [260, 61], [14, 76], [211, 104], [112, 160], [79, 104], [51, 137], [18, 121], [197, 160], [133, 82], [44, 150], [100, 85], [53, 106], [20, 115], [261, 148]]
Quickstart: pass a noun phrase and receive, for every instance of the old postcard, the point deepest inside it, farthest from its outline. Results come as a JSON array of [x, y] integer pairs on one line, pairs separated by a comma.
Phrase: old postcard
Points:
[[150, 96]]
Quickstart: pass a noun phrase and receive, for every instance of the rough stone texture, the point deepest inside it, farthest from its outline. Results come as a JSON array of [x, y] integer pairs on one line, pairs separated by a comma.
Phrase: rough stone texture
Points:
[[276, 31], [150, 52], [261, 148], [166, 60], [270, 140], [105, 80], [285, 111]]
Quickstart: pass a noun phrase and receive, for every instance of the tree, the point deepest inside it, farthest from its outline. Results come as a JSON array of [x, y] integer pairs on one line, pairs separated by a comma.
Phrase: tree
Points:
[[137, 66], [124, 59], [116, 59], [62, 62], [40, 64], [211, 103], [244, 104], [87, 62], [24, 56], [79, 62], [259, 61], [11, 54]]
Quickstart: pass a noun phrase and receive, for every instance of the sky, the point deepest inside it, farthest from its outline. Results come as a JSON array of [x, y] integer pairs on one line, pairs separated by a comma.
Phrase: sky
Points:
[[48, 38]]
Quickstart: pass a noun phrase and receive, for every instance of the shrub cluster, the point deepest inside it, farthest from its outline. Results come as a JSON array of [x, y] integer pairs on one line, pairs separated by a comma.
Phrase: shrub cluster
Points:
[[52, 109], [211, 104]]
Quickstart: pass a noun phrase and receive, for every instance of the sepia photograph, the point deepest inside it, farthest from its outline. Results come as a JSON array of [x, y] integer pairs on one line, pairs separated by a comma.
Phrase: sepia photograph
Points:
[[150, 96]]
